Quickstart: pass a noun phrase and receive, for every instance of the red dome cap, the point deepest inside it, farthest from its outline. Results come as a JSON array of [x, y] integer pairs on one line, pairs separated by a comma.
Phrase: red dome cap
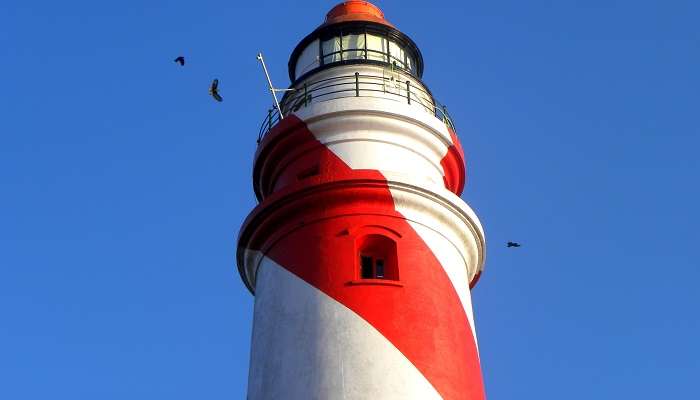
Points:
[[355, 10]]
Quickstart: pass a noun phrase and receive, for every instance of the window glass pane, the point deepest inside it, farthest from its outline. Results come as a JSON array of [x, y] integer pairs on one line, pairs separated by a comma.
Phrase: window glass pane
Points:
[[331, 50], [380, 268], [366, 267], [353, 46], [308, 59], [397, 54], [376, 48]]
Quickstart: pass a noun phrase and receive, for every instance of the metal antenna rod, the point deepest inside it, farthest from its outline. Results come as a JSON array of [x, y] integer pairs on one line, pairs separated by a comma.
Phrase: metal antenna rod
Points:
[[269, 83]]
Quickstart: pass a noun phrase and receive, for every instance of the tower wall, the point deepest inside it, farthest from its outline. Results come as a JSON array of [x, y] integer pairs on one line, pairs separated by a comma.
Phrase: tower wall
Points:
[[304, 242], [361, 254]]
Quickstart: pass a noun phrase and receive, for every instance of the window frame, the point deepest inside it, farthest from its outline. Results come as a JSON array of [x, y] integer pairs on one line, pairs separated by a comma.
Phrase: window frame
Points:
[[376, 257], [387, 34], [372, 271]]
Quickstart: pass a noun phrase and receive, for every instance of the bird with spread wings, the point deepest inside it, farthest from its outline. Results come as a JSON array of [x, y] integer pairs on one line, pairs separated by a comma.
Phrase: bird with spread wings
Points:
[[214, 90]]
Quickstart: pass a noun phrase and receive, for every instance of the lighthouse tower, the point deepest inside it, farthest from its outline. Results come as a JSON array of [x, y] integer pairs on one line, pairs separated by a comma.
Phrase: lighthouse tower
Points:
[[360, 254]]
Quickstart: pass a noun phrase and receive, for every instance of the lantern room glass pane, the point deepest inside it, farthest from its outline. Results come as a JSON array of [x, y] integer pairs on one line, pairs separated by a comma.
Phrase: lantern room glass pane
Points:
[[331, 50], [308, 60], [397, 54], [353, 46], [376, 48]]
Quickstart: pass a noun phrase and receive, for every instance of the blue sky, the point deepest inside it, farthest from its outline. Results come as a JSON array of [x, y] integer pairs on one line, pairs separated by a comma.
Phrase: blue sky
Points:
[[122, 187]]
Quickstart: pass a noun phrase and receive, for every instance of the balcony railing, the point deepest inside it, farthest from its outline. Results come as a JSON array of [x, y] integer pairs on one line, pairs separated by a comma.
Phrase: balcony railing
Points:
[[356, 85]]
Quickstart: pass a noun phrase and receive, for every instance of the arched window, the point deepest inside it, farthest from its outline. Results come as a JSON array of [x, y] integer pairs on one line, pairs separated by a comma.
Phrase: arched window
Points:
[[376, 257]]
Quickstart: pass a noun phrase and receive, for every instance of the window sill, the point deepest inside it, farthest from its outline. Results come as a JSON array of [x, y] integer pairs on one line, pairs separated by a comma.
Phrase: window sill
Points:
[[377, 282]]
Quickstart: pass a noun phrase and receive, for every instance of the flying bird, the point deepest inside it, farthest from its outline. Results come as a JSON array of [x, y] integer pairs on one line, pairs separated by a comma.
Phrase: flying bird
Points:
[[180, 60], [214, 90], [513, 244]]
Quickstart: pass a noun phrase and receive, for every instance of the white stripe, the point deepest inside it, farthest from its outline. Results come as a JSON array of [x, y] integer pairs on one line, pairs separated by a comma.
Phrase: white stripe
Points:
[[307, 345], [379, 134]]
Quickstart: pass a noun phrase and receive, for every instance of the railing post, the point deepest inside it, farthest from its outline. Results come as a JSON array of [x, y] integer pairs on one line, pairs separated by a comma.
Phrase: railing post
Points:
[[444, 115], [306, 96], [357, 84], [269, 119], [408, 91]]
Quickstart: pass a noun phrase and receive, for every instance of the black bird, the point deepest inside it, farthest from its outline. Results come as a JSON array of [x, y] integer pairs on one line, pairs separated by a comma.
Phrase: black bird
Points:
[[513, 244], [214, 90], [180, 60]]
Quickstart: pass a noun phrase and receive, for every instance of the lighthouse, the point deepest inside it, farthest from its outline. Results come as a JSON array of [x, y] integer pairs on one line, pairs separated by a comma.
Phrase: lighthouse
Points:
[[360, 254]]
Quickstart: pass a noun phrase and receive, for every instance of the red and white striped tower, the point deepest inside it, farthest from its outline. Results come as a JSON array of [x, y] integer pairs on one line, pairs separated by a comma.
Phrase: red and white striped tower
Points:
[[361, 253]]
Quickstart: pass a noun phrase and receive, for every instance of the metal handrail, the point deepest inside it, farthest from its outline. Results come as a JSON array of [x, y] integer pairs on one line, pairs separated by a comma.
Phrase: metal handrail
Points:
[[354, 86]]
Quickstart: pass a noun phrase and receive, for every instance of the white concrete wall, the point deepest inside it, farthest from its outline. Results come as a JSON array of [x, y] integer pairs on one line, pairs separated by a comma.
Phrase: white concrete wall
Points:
[[306, 345], [393, 87], [380, 134]]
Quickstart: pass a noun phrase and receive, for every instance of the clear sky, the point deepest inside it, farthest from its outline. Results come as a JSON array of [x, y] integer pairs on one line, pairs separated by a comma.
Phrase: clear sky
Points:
[[123, 185]]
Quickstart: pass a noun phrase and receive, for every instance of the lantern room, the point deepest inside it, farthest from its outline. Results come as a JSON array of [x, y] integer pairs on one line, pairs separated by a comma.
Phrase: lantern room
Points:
[[355, 32]]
